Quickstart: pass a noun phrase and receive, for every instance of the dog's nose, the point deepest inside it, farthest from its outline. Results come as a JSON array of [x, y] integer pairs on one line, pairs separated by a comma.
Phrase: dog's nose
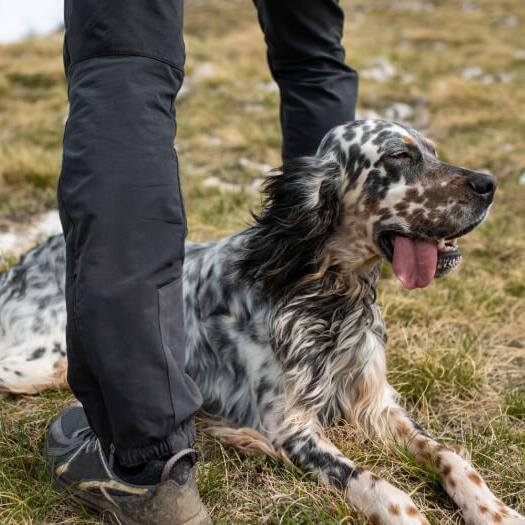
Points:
[[483, 184]]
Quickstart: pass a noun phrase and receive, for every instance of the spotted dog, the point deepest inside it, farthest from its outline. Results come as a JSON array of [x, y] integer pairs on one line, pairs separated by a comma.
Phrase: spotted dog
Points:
[[284, 335]]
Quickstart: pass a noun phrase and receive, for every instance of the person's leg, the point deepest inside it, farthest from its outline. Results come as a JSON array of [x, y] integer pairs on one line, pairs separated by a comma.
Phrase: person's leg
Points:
[[306, 58], [124, 224]]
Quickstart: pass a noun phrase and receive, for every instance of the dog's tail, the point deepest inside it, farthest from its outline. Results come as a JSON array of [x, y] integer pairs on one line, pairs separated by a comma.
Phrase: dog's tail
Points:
[[244, 439]]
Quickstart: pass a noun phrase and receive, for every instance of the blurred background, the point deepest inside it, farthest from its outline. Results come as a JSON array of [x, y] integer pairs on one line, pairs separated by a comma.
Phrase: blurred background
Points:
[[453, 69]]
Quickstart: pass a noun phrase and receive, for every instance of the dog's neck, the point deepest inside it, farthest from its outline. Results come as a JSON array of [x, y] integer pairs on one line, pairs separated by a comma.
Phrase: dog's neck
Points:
[[287, 267]]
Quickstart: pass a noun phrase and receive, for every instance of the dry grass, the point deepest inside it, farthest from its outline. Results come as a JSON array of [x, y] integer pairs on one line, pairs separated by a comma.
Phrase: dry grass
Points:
[[456, 350]]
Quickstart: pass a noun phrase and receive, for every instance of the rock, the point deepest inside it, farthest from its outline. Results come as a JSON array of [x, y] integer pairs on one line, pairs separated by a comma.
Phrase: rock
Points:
[[185, 89], [510, 21], [381, 70], [413, 6], [506, 148], [521, 180], [215, 182], [269, 87], [408, 78], [468, 6], [437, 45], [404, 44], [257, 183], [251, 165], [399, 111], [253, 108], [363, 114], [471, 72], [506, 77], [203, 71]]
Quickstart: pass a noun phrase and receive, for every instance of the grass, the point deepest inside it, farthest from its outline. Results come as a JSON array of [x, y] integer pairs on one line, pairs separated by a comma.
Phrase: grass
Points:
[[456, 350]]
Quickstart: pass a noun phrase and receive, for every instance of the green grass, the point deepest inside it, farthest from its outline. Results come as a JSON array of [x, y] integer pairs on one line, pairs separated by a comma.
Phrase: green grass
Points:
[[456, 349]]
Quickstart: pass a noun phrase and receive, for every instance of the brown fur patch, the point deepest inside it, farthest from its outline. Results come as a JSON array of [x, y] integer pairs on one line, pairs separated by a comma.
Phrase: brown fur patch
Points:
[[421, 443], [402, 206], [431, 144], [412, 195], [447, 469], [475, 479], [412, 511], [451, 482], [394, 509], [460, 451], [483, 509], [374, 519], [497, 517], [409, 140]]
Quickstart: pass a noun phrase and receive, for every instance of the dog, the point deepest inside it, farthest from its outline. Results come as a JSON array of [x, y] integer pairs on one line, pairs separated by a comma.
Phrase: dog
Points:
[[284, 336]]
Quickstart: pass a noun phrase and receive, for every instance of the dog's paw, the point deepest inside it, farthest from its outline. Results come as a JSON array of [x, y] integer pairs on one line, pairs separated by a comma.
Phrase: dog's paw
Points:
[[489, 513]]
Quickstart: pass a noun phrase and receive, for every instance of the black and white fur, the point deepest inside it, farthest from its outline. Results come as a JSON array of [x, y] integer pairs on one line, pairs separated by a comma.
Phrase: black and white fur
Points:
[[283, 332]]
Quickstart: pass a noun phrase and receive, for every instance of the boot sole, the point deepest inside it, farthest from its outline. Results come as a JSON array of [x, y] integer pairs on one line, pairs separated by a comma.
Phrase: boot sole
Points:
[[104, 507]]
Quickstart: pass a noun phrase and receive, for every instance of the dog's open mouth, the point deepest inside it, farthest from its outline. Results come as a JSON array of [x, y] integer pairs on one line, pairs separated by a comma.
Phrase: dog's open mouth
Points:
[[416, 262]]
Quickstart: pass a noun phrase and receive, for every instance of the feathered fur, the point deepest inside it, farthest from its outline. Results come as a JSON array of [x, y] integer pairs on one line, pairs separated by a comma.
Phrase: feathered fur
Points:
[[283, 333]]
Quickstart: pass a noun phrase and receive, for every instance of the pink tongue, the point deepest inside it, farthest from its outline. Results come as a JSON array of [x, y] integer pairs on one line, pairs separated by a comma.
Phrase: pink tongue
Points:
[[414, 262]]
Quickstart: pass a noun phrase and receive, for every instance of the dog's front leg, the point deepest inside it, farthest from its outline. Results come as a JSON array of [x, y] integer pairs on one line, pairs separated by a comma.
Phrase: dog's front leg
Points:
[[463, 484], [306, 445]]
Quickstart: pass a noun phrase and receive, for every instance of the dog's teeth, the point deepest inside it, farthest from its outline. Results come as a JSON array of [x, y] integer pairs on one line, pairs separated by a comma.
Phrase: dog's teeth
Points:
[[441, 244]]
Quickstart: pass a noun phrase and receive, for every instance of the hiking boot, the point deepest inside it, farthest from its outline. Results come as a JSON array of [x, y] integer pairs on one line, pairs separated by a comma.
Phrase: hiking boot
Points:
[[160, 493]]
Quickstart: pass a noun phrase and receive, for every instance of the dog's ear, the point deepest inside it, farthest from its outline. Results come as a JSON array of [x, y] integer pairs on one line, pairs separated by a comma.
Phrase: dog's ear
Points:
[[301, 211]]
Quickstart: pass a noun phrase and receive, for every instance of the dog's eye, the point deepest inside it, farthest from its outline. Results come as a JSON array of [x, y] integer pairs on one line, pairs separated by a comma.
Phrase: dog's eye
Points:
[[400, 155]]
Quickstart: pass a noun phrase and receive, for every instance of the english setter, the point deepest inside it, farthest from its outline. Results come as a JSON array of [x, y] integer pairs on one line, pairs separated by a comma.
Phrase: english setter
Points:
[[284, 335]]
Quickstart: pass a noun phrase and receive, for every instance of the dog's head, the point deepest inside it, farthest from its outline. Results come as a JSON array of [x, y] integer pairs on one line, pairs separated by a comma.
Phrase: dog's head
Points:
[[400, 202], [374, 190]]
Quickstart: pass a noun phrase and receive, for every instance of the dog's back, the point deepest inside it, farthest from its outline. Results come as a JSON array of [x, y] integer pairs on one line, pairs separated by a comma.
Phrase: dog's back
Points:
[[33, 320]]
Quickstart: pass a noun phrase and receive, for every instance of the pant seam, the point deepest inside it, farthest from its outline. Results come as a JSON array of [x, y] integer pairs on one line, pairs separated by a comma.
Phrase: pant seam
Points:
[[125, 52]]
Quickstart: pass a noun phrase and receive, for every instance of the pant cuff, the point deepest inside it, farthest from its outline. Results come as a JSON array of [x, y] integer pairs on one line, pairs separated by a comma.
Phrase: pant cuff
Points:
[[180, 439]]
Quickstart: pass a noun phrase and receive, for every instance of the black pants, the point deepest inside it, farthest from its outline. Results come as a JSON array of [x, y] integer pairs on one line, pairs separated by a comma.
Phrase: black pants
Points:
[[121, 206]]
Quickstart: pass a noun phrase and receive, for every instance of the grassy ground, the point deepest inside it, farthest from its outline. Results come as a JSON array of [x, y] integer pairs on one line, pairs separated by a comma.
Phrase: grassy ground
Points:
[[456, 350]]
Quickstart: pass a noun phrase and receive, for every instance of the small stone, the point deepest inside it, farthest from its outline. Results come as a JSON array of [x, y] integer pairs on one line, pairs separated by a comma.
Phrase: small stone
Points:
[[253, 108], [468, 6], [522, 178], [251, 165], [399, 111], [381, 70], [269, 87], [471, 72], [202, 71], [215, 182], [184, 90], [364, 114], [506, 148], [510, 21], [506, 77], [437, 46], [257, 183]]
